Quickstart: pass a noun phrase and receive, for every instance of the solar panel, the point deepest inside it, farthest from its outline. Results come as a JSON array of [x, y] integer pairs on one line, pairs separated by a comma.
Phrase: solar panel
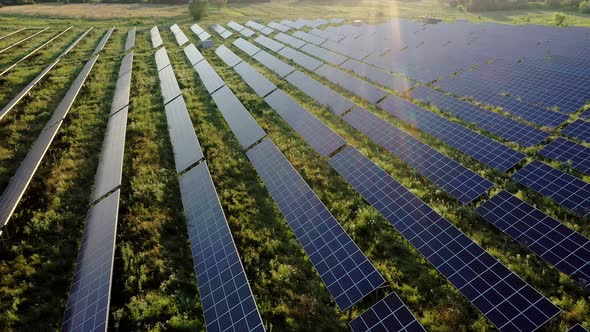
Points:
[[196, 29], [121, 96], [247, 33], [235, 26], [352, 51], [577, 328], [584, 115], [226, 34], [575, 155], [217, 28], [336, 20], [175, 28], [192, 54], [229, 57], [254, 25], [162, 59], [209, 76], [271, 62], [104, 40], [168, 84], [126, 64], [241, 123], [323, 95], [301, 59], [292, 24], [181, 38], [321, 138], [246, 46], [561, 187], [560, 246], [459, 181], [12, 33], [308, 37], [156, 38], [226, 297], [505, 299], [344, 269], [325, 55], [110, 166], [377, 76], [204, 36], [256, 81], [266, 31], [87, 308], [294, 42], [479, 147], [278, 26], [493, 122], [389, 314], [27, 38], [579, 130], [356, 86], [269, 43], [185, 144]]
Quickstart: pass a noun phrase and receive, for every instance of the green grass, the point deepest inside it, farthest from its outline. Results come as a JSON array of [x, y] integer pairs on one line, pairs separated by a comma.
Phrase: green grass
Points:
[[154, 286]]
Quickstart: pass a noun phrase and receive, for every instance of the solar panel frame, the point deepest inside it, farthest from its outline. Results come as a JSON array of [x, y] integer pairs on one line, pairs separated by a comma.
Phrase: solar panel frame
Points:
[[104, 40], [569, 153], [377, 76], [389, 314], [505, 299], [185, 144], [196, 29], [130, 41], [156, 38], [299, 58], [567, 190], [344, 269], [313, 131], [459, 181], [356, 86], [192, 54], [235, 26], [246, 46], [122, 91], [228, 56], [168, 84], [289, 40], [247, 33], [558, 245], [255, 80], [89, 296], [579, 130], [226, 34], [240, 121], [162, 59], [209, 76], [308, 37], [126, 64], [269, 43], [479, 147], [271, 62], [181, 38], [320, 93], [226, 296]]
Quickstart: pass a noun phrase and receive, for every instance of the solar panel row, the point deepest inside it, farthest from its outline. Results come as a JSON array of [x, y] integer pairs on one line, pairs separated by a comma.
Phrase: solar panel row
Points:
[[221, 31], [156, 38], [271, 62], [200, 32], [344, 269], [389, 314], [259, 27], [377, 76], [23, 40], [570, 153], [495, 123], [354, 85], [561, 187], [39, 77], [235, 26], [12, 33], [185, 144], [577, 328], [278, 26], [308, 37], [319, 136], [192, 54], [246, 46], [323, 95], [169, 85], [472, 144], [579, 130], [180, 37], [323, 54], [301, 59], [130, 41], [104, 40], [260, 84], [505, 299], [459, 181], [162, 59], [209, 76], [294, 42], [269, 43], [229, 57], [557, 244]]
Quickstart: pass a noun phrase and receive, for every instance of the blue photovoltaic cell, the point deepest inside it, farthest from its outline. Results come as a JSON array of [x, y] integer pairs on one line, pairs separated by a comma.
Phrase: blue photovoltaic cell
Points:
[[561, 187], [168, 84], [255, 80], [344, 269], [356, 86], [577, 328], [495, 123], [226, 297], [578, 129], [560, 246], [377, 76], [209, 76], [271, 62], [570, 153], [585, 114], [323, 95], [185, 144], [459, 181], [325, 55], [388, 315], [505, 299], [88, 301], [321, 138], [482, 148]]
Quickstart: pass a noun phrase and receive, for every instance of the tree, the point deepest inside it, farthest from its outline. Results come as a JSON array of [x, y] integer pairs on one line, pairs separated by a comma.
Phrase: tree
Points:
[[198, 8]]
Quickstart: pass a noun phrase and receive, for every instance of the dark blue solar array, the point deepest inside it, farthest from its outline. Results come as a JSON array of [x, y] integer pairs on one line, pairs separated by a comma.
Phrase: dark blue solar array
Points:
[[389, 314], [494, 123], [568, 152], [354, 85], [226, 297], [482, 148], [563, 188], [578, 129], [321, 138], [323, 95], [462, 183], [577, 328], [557, 244], [377, 76], [505, 299], [347, 273], [88, 302]]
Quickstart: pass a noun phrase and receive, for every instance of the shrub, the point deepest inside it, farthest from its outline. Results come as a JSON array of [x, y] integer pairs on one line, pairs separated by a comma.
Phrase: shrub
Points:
[[198, 8], [461, 9], [559, 18], [585, 7]]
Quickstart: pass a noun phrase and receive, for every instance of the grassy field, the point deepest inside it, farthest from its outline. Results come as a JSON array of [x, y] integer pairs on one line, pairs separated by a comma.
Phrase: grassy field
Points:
[[154, 286]]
